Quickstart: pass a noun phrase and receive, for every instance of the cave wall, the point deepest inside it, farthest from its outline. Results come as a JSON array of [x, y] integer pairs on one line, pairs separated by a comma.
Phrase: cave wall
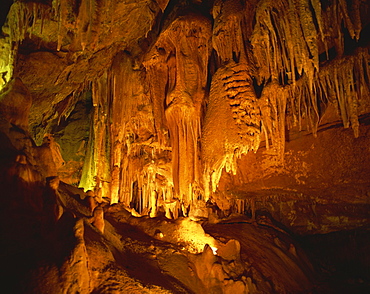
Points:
[[255, 106]]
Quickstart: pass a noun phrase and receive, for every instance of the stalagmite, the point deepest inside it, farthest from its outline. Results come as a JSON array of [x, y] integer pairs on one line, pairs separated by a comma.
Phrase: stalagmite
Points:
[[98, 219], [24, 177], [90, 201]]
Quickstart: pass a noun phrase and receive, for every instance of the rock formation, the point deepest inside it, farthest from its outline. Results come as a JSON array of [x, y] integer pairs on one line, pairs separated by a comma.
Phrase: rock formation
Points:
[[170, 125]]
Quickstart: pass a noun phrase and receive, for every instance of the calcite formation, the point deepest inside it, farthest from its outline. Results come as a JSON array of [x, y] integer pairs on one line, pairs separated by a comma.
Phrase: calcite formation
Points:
[[170, 121], [183, 50], [232, 125]]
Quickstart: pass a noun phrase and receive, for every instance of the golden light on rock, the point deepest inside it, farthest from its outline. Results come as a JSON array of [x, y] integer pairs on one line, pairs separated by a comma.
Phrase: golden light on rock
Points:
[[155, 146]]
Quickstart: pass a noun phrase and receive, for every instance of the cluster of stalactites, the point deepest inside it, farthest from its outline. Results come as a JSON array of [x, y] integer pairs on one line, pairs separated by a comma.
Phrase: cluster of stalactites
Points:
[[229, 30], [124, 162], [96, 168], [27, 18], [83, 21], [140, 177], [344, 82], [287, 40], [288, 35], [147, 188], [24, 18]]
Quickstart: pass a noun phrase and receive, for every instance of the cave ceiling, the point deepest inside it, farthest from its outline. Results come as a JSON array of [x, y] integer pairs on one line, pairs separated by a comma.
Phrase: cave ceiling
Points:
[[175, 103]]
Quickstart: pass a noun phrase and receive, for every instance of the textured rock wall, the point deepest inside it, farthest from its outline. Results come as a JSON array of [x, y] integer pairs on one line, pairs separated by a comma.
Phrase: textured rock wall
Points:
[[194, 101], [250, 117]]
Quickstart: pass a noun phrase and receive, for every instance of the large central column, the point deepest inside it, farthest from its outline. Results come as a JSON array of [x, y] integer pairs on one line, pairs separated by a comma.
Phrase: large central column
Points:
[[181, 56]]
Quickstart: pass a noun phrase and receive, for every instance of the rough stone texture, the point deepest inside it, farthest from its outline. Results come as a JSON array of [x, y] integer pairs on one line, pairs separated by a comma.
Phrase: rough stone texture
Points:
[[196, 111]]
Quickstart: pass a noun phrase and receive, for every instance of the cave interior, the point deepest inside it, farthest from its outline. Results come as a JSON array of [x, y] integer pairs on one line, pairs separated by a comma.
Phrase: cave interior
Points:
[[185, 146]]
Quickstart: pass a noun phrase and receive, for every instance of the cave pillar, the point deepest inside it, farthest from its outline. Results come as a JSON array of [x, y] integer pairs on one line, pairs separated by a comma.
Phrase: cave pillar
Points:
[[183, 124], [183, 105], [177, 72]]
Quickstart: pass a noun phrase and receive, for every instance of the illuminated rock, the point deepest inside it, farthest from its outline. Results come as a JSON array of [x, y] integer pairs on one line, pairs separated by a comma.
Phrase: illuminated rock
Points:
[[49, 156], [98, 219], [15, 103], [186, 121]]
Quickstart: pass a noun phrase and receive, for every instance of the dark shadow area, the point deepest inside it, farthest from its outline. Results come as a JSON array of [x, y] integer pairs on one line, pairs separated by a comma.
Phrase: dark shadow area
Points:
[[341, 259]]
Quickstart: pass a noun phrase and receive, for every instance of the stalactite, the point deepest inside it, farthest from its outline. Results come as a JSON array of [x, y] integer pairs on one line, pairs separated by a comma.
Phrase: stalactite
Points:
[[354, 33], [309, 31], [343, 82], [102, 132], [183, 123], [83, 23], [22, 20], [59, 10], [317, 10], [157, 74], [285, 41], [273, 110], [88, 180], [228, 34], [284, 38], [96, 173], [144, 181], [190, 37]]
